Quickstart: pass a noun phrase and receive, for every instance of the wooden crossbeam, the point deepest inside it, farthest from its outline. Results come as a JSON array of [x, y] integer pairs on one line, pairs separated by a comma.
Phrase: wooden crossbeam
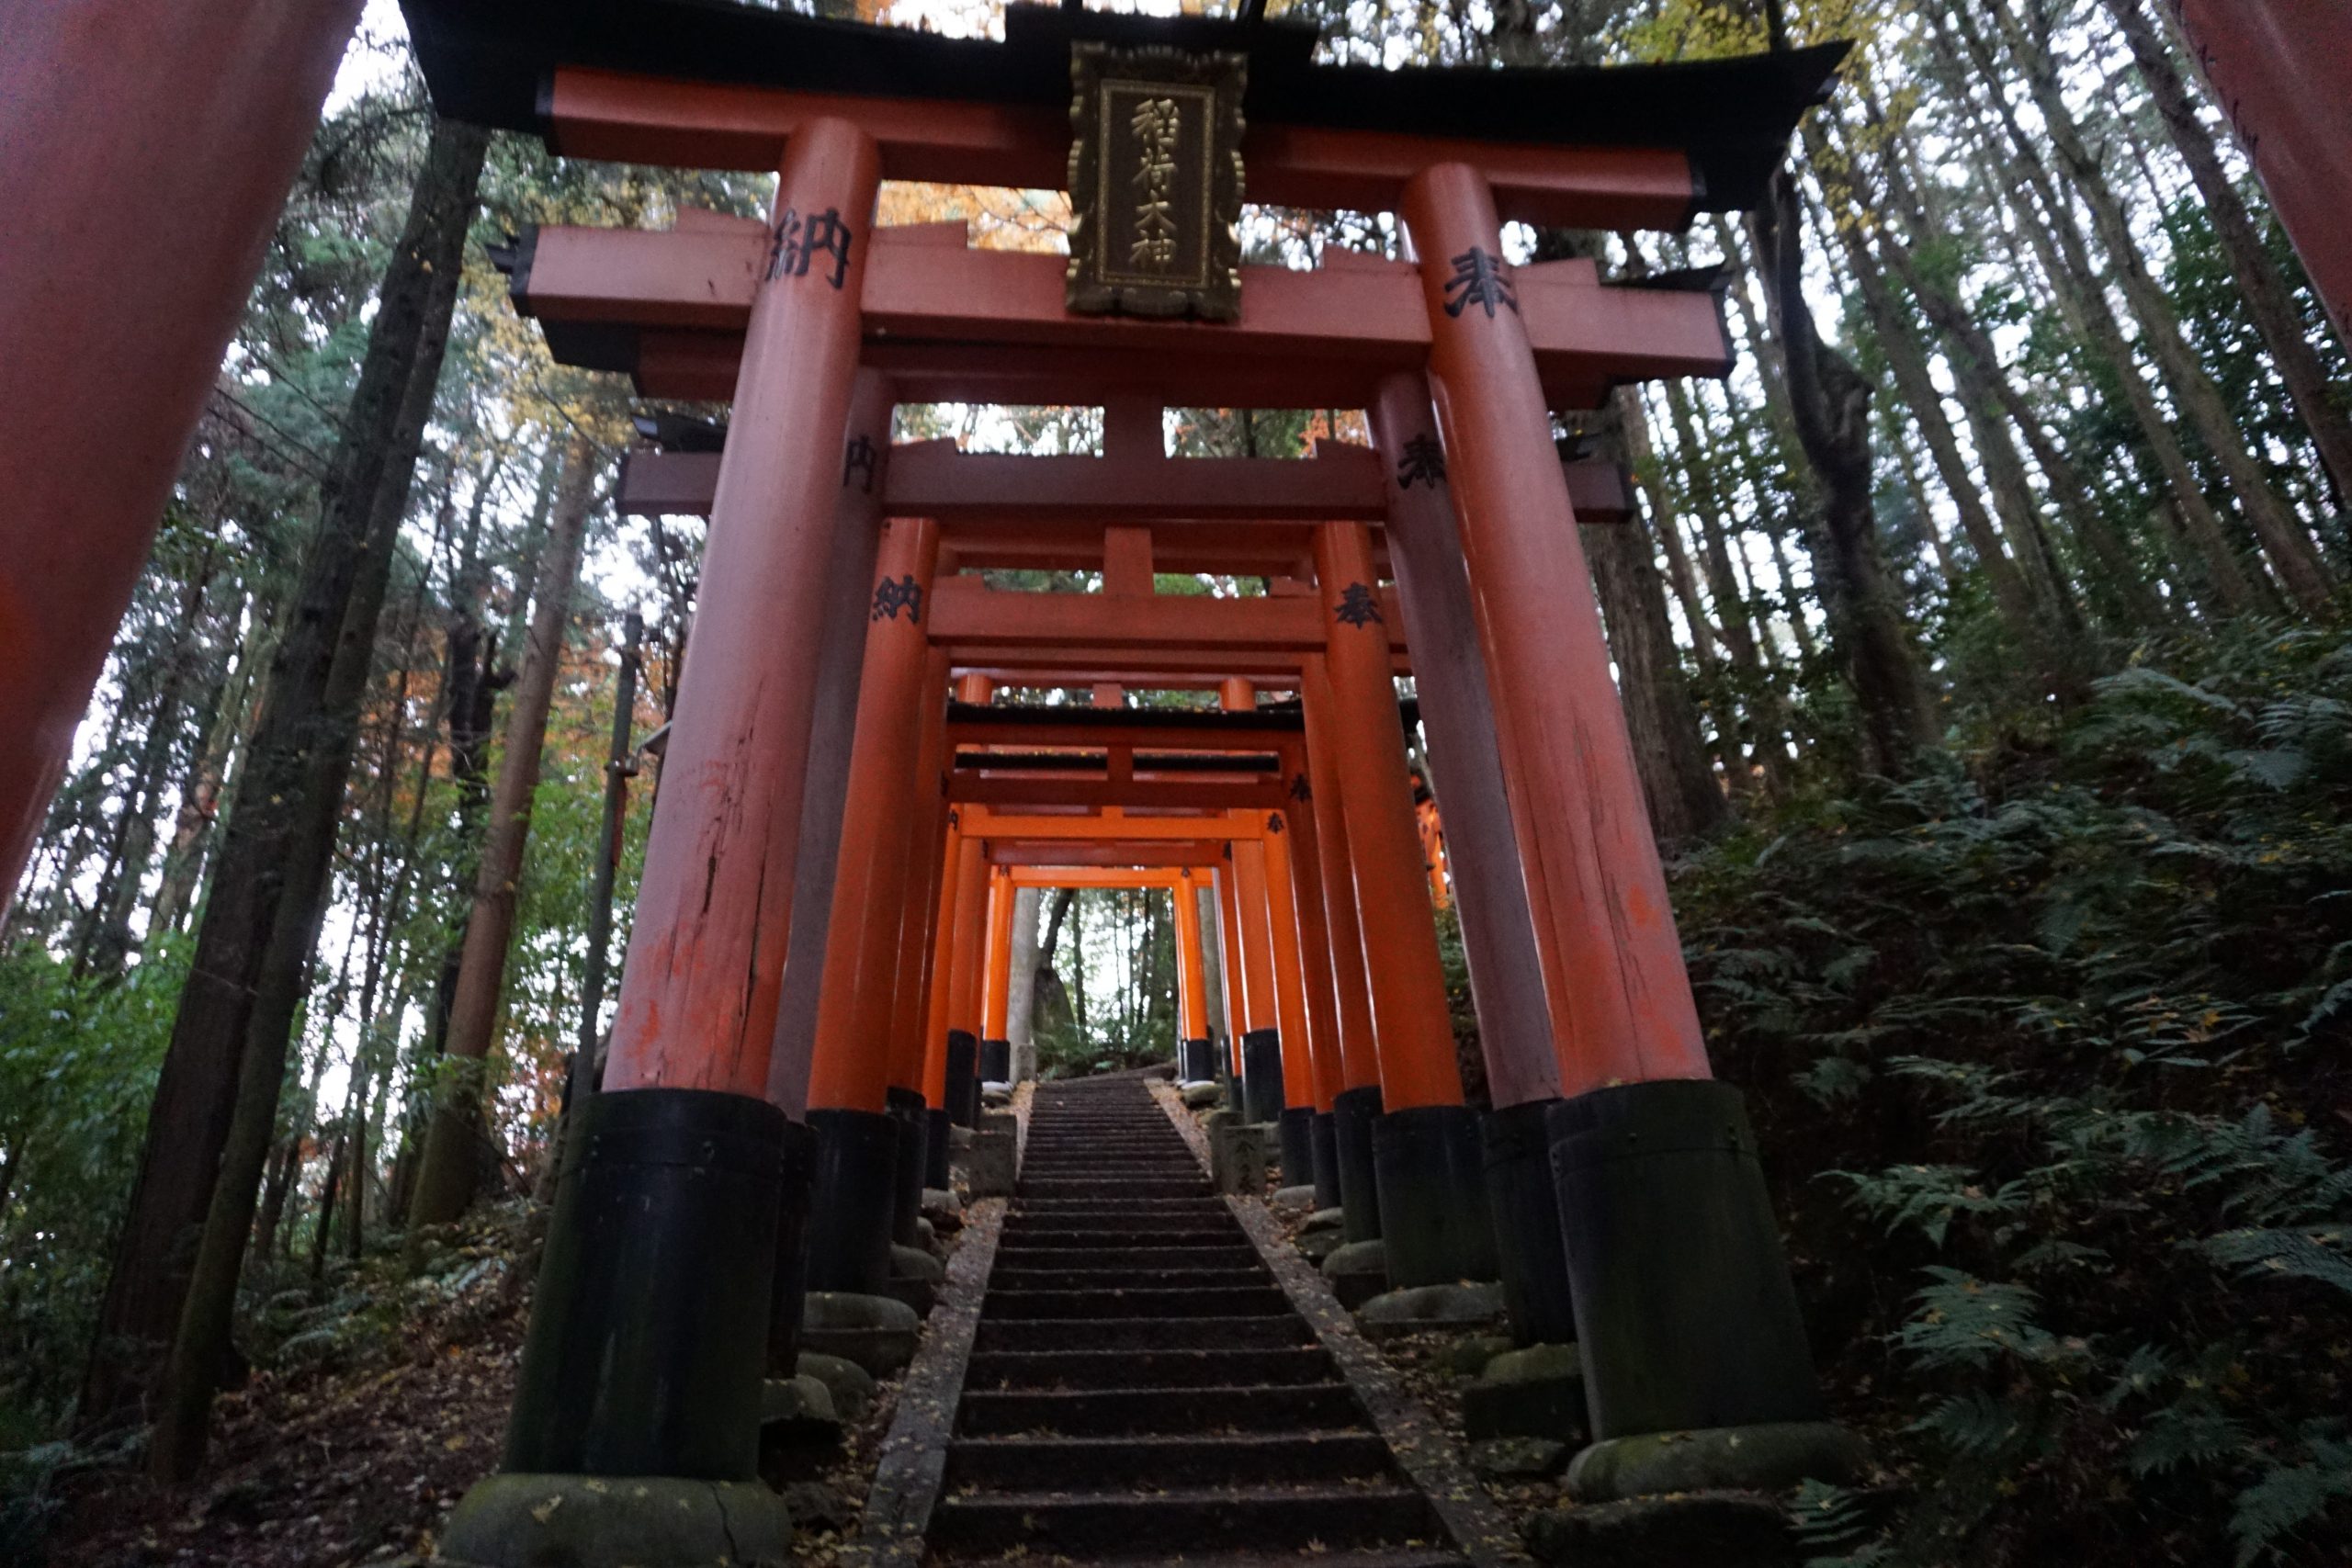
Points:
[[649, 120], [1032, 828], [1003, 511], [949, 324], [1068, 853]]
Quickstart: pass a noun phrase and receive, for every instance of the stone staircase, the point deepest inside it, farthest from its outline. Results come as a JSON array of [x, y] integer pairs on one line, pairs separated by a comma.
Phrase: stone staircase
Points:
[[1141, 1390]]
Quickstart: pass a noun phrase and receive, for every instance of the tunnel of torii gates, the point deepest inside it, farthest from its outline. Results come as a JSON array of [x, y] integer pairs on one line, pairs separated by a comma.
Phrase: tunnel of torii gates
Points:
[[847, 806]]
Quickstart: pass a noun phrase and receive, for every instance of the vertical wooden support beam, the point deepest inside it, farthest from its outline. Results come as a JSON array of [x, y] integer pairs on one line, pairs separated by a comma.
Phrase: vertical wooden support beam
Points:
[[880, 836], [1229, 961], [1290, 974], [705, 955], [1622, 1000], [1701, 1331], [1507, 974], [995, 980], [929, 819], [1192, 979], [144, 153], [834, 732], [1409, 1020], [650, 1326], [1352, 995]]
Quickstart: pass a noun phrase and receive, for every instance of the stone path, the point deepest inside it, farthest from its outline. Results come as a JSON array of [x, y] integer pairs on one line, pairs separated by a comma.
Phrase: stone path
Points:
[[1141, 1388]]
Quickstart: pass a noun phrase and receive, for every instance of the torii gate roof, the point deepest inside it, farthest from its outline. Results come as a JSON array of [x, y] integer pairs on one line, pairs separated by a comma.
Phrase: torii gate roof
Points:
[[492, 63]]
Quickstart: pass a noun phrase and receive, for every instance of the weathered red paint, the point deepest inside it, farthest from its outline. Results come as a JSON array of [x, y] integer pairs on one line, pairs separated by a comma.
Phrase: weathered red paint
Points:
[[858, 1003], [646, 119], [1352, 995], [1621, 998], [1410, 1024], [992, 325], [144, 153], [1450, 671], [2282, 71], [706, 955]]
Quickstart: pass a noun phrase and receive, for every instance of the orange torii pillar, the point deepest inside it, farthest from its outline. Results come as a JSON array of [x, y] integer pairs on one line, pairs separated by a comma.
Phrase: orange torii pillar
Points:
[[1327, 1077], [1191, 977], [996, 990], [1426, 1159], [144, 156], [951, 1077], [1259, 1048], [930, 822], [867, 1136], [1228, 938], [1295, 1115], [648, 1332], [1703, 1332], [1515, 1033], [1356, 1105]]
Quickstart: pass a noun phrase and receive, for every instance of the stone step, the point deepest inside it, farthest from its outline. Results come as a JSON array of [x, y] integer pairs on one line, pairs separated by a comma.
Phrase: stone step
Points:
[[1187, 1519], [1096, 1230], [1108, 1412], [1177, 1278], [1121, 1209], [1139, 1187], [1314, 1454], [1143, 1333], [1208, 1255], [1012, 1369], [1229, 1301]]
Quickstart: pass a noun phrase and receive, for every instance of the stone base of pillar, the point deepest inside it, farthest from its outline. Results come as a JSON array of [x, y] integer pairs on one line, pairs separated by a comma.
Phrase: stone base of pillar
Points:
[[853, 1201], [1195, 1061], [1353, 1113], [1526, 1212], [1326, 1160], [1771, 1456], [1427, 1163], [1261, 1076], [791, 1280], [935, 1164], [638, 1522], [962, 1077], [1684, 1311], [906, 1108], [996, 1061], [650, 1328], [1298, 1146]]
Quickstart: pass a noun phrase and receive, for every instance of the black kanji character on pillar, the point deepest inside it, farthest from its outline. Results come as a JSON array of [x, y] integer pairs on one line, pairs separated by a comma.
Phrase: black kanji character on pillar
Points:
[[1298, 788], [1273, 821], [1358, 607], [1478, 275], [890, 597], [859, 458], [1424, 460], [797, 242]]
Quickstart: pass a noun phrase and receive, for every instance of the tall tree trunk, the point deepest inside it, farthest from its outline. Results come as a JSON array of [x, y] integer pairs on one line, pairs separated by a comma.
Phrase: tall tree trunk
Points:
[[2261, 286], [2286, 542], [448, 1174], [1830, 403], [2058, 243], [1021, 983], [210, 1131]]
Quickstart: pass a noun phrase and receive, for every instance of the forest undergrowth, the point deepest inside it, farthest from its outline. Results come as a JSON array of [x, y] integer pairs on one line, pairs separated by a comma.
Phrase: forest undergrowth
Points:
[[2047, 1049]]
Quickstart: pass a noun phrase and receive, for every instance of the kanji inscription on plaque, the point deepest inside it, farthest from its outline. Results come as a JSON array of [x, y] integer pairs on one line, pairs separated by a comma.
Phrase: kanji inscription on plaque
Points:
[[1155, 181]]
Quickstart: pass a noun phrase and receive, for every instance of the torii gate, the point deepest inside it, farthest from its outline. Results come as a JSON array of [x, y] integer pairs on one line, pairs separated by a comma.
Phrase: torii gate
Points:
[[815, 328]]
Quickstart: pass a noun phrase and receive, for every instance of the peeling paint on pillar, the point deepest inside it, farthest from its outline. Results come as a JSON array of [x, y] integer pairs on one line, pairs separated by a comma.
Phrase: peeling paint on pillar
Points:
[[698, 996], [1606, 928]]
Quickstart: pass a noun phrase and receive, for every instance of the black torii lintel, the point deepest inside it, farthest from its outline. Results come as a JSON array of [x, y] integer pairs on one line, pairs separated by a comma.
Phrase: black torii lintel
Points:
[[490, 61]]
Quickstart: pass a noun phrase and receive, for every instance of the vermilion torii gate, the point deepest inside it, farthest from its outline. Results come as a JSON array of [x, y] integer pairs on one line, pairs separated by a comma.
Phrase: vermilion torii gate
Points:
[[732, 1068]]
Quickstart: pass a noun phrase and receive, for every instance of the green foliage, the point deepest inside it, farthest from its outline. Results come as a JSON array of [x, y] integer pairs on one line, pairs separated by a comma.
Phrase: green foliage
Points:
[[2047, 1048], [78, 1061]]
